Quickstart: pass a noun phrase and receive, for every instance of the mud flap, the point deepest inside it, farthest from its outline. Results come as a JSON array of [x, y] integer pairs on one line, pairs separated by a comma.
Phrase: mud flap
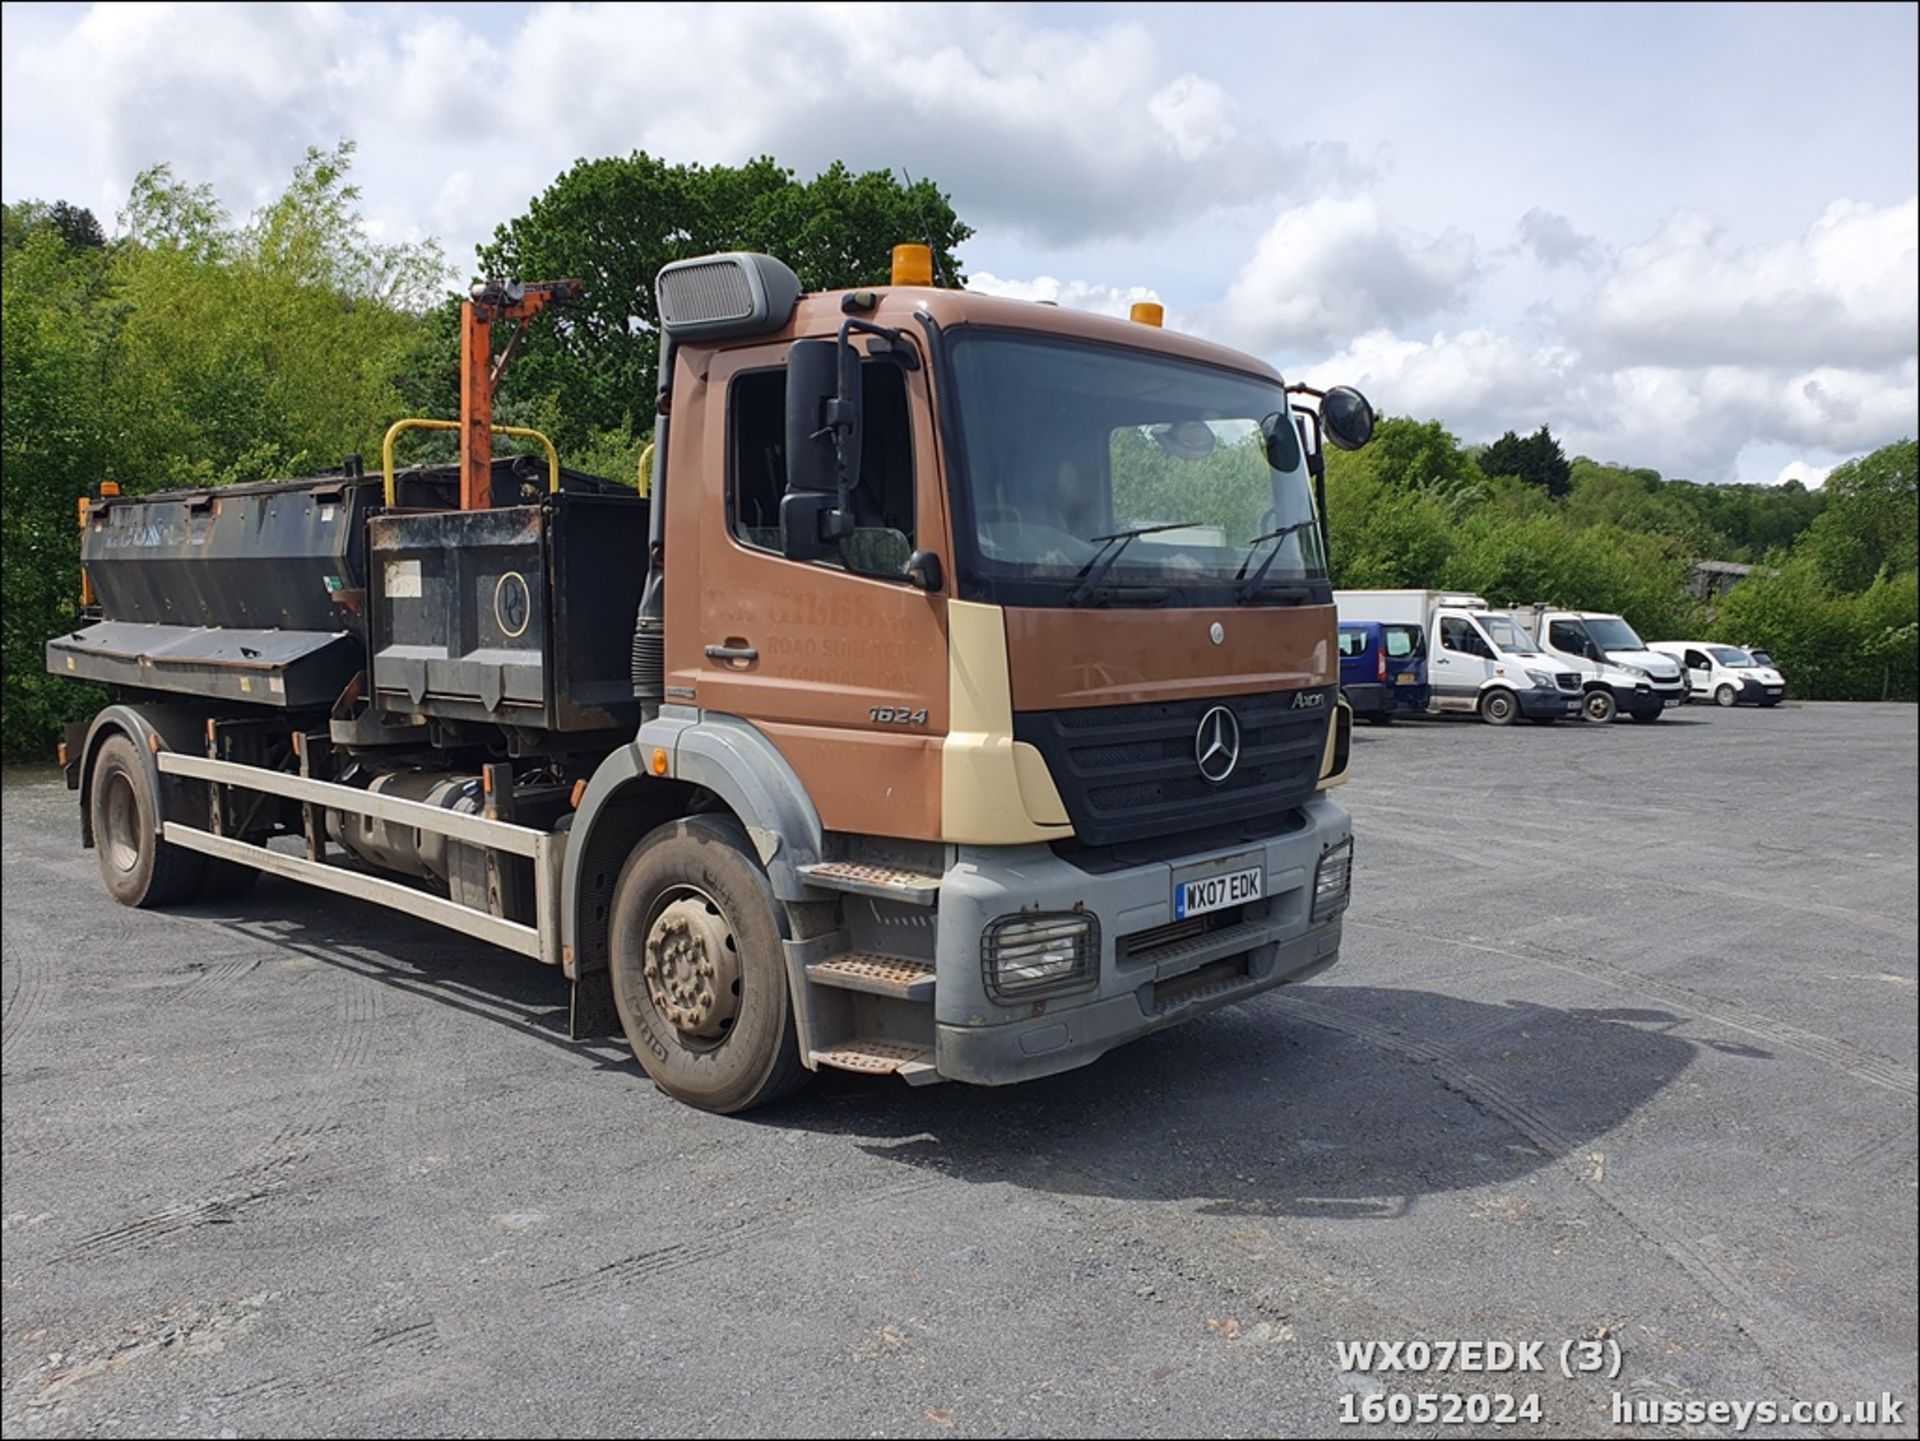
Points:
[[591, 1012]]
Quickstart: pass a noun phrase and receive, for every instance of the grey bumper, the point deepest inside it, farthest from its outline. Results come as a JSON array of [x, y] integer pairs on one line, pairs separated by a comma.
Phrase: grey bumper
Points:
[[1542, 702], [1135, 990]]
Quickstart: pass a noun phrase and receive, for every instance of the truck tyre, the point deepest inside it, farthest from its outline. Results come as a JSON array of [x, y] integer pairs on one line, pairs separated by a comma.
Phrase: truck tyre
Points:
[[1598, 706], [699, 969], [1498, 707], [1726, 695], [138, 867]]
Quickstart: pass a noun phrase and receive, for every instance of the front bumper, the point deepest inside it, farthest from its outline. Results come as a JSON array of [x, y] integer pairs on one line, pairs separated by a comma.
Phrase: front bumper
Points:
[[1753, 692], [1646, 700], [1135, 991], [1538, 703]]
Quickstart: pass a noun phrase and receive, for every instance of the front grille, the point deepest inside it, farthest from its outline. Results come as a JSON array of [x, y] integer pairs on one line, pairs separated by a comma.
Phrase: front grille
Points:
[[1567, 680], [1128, 772]]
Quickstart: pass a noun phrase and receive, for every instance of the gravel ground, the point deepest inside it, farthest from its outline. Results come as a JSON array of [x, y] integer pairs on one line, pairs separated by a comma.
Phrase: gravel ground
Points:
[[1622, 1046]]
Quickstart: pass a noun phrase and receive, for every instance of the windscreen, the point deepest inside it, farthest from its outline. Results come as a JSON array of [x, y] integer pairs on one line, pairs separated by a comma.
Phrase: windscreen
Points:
[[1508, 636], [1612, 633], [1730, 658], [1142, 471]]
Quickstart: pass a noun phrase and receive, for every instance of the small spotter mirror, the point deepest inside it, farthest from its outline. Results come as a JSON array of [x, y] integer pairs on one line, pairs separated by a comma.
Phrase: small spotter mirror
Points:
[[1347, 417]]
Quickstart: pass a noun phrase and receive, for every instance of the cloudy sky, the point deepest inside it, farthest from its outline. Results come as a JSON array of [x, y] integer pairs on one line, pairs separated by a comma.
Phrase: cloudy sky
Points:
[[1683, 237]]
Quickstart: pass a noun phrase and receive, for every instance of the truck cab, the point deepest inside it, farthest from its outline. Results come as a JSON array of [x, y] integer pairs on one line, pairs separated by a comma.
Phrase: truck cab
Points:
[[1619, 673], [1383, 670]]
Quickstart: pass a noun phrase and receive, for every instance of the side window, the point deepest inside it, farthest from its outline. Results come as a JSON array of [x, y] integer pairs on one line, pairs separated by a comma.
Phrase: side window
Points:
[[1457, 634], [1353, 642], [1697, 661], [883, 536], [1564, 635]]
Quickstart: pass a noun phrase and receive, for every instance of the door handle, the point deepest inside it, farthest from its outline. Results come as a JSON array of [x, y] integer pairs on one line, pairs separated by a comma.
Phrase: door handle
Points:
[[730, 654]]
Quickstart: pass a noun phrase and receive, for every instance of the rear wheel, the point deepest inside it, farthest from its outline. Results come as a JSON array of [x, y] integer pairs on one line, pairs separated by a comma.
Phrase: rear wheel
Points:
[[1384, 718], [699, 969], [138, 867], [1499, 707], [1598, 706], [1726, 695]]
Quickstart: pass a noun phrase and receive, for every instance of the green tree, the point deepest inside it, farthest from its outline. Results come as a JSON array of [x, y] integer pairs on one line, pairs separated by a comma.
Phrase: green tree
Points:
[[1538, 460], [1871, 520], [614, 223], [188, 351]]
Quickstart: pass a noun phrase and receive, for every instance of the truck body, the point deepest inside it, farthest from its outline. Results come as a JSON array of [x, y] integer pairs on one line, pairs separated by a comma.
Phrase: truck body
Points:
[[1619, 673], [1383, 670], [917, 720], [1479, 661]]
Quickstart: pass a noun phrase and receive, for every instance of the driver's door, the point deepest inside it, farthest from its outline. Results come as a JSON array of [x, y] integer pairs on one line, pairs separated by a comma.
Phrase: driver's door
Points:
[[1460, 663], [844, 671]]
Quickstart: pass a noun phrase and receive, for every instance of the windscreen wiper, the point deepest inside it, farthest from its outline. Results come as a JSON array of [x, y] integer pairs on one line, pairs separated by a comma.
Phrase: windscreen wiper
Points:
[[1250, 586], [1095, 570]]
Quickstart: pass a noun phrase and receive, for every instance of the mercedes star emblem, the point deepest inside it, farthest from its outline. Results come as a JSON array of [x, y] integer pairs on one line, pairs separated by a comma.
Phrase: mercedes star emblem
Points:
[[1216, 745]]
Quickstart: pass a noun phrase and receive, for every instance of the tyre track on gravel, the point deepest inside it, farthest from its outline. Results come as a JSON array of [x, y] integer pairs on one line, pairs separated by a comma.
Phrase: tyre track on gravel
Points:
[[1805, 1366]]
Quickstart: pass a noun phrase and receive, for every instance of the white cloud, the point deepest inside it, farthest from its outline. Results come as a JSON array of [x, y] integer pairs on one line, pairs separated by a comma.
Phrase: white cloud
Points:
[[1553, 240], [1073, 294], [1334, 268], [1846, 293], [1056, 133], [1811, 476]]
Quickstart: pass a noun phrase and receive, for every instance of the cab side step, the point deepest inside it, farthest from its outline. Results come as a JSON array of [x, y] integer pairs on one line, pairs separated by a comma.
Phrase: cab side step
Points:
[[876, 974], [887, 883], [873, 1057]]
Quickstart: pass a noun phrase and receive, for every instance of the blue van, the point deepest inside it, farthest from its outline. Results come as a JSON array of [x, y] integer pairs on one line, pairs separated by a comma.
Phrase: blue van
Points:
[[1383, 669]]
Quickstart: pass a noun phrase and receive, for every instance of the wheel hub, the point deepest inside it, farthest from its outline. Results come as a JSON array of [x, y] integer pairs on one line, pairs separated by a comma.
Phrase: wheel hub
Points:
[[692, 968]]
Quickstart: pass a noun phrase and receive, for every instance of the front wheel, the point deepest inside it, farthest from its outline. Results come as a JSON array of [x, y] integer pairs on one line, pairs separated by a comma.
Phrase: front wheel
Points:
[[1598, 706], [1646, 717], [699, 970], [1726, 695], [139, 868], [1498, 708]]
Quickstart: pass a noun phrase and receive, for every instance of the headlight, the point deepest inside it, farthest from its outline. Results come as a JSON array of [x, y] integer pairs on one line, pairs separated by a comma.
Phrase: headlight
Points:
[[1541, 678], [1042, 953], [1633, 670], [1333, 881]]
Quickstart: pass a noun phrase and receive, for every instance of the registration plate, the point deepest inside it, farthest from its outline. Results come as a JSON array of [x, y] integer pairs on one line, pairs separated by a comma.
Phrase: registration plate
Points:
[[1213, 893], [1670, 704], [1403, 680]]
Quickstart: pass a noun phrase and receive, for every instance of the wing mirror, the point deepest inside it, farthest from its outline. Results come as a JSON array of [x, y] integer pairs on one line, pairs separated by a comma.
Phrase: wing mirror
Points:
[[1347, 416]]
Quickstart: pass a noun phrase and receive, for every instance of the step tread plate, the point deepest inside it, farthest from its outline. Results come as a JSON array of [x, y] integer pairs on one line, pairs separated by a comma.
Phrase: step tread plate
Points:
[[878, 1058], [880, 975], [888, 882]]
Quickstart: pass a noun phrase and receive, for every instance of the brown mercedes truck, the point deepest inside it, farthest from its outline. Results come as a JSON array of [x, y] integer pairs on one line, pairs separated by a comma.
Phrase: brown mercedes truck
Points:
[[956, 697]]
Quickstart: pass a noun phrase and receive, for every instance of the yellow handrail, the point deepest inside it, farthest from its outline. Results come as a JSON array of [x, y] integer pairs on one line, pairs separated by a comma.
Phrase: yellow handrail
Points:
[[395, 430], [644, 480]]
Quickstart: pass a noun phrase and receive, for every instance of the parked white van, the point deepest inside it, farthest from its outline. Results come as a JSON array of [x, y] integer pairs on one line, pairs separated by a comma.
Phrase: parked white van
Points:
[[1618, 671], [1724, 674]]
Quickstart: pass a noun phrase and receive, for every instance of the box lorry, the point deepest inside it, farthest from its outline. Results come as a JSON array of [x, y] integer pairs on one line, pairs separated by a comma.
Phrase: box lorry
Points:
[[1618, 671], [921, 715], [1480, 661]]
